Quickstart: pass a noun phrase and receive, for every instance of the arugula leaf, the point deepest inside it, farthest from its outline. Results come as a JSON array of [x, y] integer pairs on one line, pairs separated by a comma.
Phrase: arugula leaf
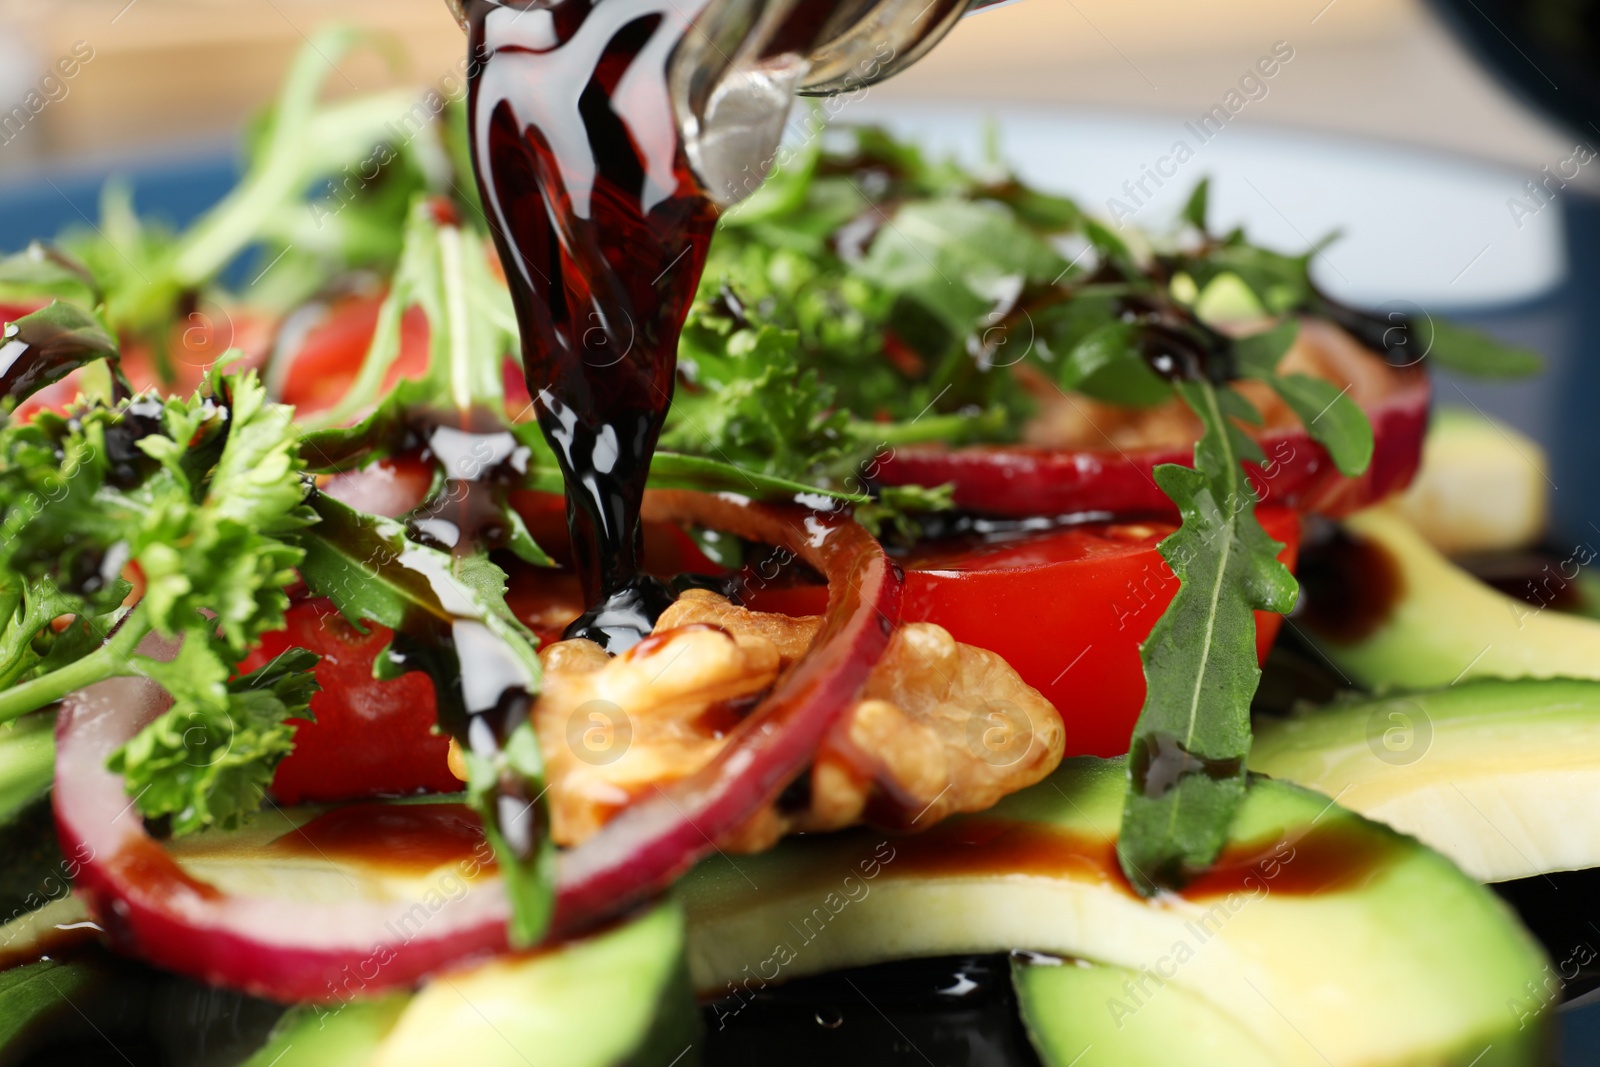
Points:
[[1259, 354], [33, 993], [440, 606], [1187, 771], [1107, 366], [298, 144], [444, 270], [43, 270], [325, 192], [208, 760], [1473, 352], [1329, 415], [1331, 418], [956, 258], [1197, 208]]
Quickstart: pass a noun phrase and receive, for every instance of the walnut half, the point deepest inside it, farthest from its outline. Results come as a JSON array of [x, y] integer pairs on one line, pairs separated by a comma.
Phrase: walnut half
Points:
[[941, 727]]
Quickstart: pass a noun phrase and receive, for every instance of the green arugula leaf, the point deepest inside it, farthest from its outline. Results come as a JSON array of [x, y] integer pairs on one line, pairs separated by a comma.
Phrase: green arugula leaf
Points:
[[208, 760], [33, 993], [1108, 366], [1331, 418], [956, 258], [444, 270], [299, 143], [1197, 208], [1187, 771], [1473, 352], [439, 606], [43, 270], [1329, 415], [1282, 283], [670, 470], [1259, 354]]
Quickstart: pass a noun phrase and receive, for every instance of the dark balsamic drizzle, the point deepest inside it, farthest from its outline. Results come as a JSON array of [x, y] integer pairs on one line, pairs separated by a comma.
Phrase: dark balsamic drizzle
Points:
[[1394, 336], [480, 461], [483, 688], [1175, 344], [126, 464], [603, 231], [1349, 586], [1161, 762]]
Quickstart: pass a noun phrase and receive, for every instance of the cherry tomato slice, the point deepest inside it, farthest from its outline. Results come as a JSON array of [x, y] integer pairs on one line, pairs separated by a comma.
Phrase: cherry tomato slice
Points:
[[329, 359], [370, 738], [325, 365], [1067, 609]]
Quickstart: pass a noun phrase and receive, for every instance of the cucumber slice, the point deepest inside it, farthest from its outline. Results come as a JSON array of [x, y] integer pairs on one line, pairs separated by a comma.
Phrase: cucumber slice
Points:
[[1329, 939], [1501, 776], [1077, 1008], [620, 997]]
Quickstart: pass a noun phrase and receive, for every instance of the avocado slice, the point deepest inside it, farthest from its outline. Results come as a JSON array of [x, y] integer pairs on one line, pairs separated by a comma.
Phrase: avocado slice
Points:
[[1482, 486], [619, 997], [1327, 938], [335, 1035], [1501, 776], [1435, 624], [1073, 1007], [27, 762]]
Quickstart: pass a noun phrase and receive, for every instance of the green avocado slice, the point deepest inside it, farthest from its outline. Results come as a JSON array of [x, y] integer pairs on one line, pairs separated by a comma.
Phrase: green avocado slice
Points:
[[336, 1035], [1091, 1013], [1501, 776], [618, 998], [1328, 939], [1444, 626]]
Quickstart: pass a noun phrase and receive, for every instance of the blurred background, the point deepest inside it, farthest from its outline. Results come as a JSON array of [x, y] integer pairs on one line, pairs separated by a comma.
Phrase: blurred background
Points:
[[170, 73]]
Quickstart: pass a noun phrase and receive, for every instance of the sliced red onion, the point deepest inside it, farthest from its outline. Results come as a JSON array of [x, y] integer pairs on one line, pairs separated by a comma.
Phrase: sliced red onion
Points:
[[653, 842], [1022, 482], [292, 950], [274, 947]]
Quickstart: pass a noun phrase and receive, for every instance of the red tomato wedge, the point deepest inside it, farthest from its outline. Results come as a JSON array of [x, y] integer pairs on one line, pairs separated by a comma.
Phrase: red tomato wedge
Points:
[[326, 363], [370, 738], [1067, 609], [375, 738]]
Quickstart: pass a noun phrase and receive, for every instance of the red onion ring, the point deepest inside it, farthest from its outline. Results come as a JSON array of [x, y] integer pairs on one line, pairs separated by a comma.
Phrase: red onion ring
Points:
[[293, 951], [1023, 482]]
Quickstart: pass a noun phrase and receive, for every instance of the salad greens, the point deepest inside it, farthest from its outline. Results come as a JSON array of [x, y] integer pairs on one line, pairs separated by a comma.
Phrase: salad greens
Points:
[[204, 498], [1187, 772], [865, 299]]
